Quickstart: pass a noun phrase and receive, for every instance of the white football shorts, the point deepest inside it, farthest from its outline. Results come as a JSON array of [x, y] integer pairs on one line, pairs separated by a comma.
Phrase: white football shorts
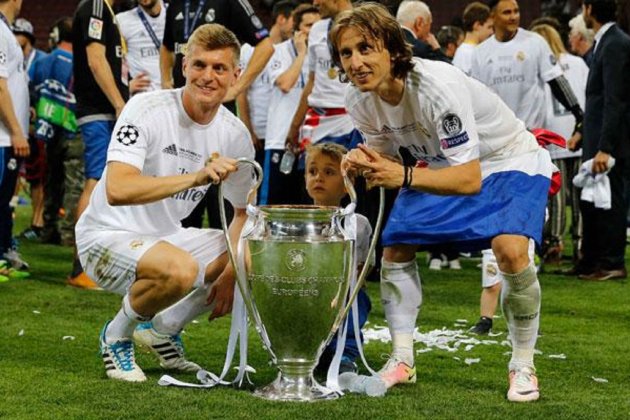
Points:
[[112, 257]]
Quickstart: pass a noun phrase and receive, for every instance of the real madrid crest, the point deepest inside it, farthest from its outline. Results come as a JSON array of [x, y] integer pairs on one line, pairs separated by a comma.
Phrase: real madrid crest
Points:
[[210, 15], [332, 73], [520, 56]]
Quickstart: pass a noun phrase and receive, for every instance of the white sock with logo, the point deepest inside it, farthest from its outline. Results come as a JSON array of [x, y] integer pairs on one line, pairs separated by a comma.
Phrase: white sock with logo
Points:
[[520, 301], [173, 319], [121, 327], [401, 295]]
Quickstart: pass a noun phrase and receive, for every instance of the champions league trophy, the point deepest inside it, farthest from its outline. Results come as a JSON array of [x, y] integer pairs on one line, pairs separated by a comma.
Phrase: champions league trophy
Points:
[[294, 270]]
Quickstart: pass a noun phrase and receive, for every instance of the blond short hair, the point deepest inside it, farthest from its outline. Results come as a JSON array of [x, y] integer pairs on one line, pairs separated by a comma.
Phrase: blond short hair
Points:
[[333, 150], [213, 36], [552, 37]]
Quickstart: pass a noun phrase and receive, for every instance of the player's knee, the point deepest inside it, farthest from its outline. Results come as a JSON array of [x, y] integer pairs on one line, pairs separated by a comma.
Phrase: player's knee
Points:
[[181, 274], [399, 253], [512, 258]]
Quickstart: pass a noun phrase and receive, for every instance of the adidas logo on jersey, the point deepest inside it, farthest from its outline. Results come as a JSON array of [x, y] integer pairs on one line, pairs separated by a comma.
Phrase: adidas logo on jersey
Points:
[[170, 150]]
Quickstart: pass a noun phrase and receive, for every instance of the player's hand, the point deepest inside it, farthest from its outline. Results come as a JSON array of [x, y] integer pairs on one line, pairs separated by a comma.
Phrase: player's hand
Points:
[[140, 83], [258, 144], [600, 162], [299, 39], [168, 84], [216, 170], [291, 142], [20, 145], [222, 295], [232, 93], [575, 142], [379, 171], [432, 41]]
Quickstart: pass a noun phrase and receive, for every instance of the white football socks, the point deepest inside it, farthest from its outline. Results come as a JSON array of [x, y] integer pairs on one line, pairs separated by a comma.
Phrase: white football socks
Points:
[[520, 301], [171, 320], [122, 326], [401, 295]]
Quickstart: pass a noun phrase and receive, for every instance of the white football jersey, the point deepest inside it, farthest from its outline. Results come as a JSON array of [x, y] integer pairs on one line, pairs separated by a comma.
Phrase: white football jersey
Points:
[[259, 91], [517, 70], [155, 134], [463, 58], [328, 91], [443, 119], [560, 119], [13, 70], [282, 106], [143, 56]]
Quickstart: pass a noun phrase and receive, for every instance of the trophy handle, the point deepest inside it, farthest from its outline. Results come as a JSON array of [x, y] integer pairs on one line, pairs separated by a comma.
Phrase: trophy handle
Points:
[[372, 248], [251, 197]]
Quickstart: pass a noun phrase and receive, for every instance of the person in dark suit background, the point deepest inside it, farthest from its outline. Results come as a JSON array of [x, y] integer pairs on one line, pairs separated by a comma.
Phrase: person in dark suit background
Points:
[[415, 18], [606, 134]]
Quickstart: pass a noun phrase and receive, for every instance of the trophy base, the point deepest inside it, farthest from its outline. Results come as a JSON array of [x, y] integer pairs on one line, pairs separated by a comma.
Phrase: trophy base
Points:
[[296, 388]]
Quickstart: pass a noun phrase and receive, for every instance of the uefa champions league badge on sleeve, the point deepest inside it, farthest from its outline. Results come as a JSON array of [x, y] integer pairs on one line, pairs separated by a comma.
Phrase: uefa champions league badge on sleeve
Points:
[[127, 135], [453, 129], [451, 124]]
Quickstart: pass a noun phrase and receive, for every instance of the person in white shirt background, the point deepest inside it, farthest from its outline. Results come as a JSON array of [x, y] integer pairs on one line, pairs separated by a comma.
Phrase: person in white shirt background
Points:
[[253, 103], [478, 26], [143, 29], [288, 79]]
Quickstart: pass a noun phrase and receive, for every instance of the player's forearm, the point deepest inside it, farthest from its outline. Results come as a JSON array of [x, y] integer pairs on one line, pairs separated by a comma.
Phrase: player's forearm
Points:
[[243, 111], [238, 221], [102, 72], [300, 113], [140, 189], [563, 92], [261, 55], [287, 80], [462, 179], [7, 113], [167, 61]]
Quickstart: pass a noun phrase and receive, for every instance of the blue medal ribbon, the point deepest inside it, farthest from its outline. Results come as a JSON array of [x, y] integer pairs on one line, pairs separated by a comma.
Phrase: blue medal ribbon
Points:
[[189, 26], [148, 27]]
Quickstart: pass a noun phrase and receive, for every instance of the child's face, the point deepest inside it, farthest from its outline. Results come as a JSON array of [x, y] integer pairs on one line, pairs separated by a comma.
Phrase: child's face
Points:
[[324, 182]]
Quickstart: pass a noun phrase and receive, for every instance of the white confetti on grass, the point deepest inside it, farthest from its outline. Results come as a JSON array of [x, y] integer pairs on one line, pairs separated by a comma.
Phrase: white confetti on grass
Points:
[[600, 380], [21, 333], [36, 312], [560, 356], [469, 361], [444, 339], [68, 337]]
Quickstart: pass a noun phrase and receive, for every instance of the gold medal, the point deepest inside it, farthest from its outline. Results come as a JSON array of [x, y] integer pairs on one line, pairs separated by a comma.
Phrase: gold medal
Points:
[[332, 73]]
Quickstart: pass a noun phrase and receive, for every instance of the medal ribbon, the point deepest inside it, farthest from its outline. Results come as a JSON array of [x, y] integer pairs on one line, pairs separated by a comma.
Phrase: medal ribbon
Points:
[[149, 28], [189, 26]]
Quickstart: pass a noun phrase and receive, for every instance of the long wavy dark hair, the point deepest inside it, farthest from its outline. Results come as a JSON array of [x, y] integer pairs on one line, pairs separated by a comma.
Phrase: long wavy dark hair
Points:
[[375, 23]]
